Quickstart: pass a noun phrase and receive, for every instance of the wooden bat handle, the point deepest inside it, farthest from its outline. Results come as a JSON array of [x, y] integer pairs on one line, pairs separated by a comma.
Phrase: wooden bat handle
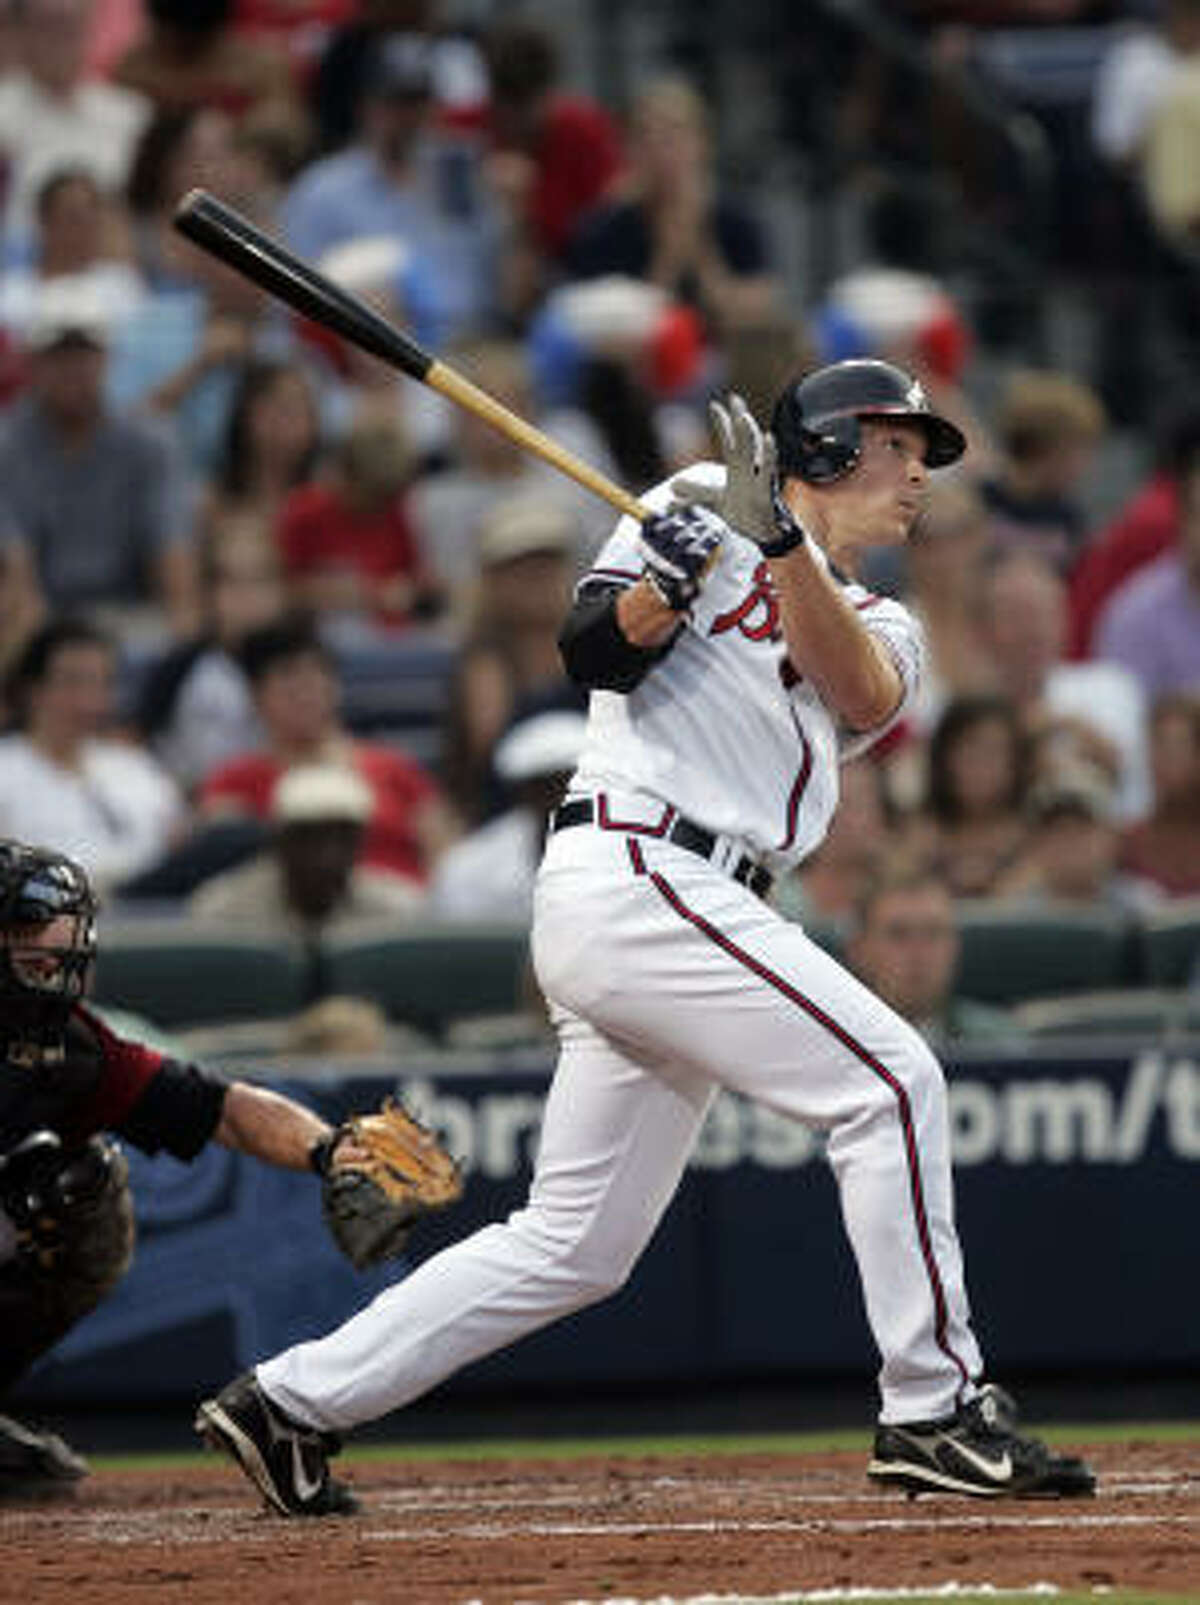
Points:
[[459, 389]]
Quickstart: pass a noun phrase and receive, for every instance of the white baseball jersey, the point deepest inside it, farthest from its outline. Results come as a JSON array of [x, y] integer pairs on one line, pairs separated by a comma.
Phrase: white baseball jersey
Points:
[[733, 738]]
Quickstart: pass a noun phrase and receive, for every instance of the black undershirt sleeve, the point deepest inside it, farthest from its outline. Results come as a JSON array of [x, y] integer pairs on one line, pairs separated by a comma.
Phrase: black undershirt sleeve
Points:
[[179, 1111], [595, 651]]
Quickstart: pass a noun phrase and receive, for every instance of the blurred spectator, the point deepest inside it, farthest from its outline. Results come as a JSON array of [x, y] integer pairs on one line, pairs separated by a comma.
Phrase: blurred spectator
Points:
[[449, 508], [905, 945], [114, 26], [668, 223], [825, 889], [22, 610], [383, 271], [457, 69], [295, 687], [346, 541], [100, 500], [1048, 426], [945, 560], [309, 881], [81, 236], [1142, 531], [1168, 147], [489, 874], [188, 55], [64, 783], [405, 177], [52, 116], [510, 649], [1151, 624], [272, 445], [974, 826], [179, 151], [1136, 73], [1093, 710], [762, 355], [195, 709], [553, 155], [631, 359], [1163, 850], [181, 354], [1074, 842]]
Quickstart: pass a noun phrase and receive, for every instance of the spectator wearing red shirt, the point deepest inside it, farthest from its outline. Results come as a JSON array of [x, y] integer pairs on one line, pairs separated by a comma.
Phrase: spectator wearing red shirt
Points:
[[555, 154], [1146, 527], [295, 688], [346, 543]]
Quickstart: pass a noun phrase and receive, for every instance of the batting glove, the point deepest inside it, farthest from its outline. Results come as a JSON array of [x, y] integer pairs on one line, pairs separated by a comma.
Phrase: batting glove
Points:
[[681, 547], [750, 499]]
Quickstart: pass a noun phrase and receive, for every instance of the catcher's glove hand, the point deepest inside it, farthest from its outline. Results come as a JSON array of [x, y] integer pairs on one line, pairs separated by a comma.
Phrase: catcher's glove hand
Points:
[[380, 1173], [45, 1189]]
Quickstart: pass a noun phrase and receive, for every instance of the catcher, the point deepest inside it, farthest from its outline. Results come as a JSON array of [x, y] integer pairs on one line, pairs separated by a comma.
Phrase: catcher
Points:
[[66, 1211]]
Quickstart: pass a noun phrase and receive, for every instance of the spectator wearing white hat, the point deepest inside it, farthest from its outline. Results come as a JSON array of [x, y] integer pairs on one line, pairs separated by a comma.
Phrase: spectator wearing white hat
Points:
[[309, 878], [489, 874]]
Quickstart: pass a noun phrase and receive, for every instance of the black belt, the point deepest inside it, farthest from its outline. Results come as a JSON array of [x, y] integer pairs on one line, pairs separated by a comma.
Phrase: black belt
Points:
[[683, 832]]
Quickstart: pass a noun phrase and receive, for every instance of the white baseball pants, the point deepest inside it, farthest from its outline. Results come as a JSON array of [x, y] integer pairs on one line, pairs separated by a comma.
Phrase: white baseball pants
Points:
[[668, 979]]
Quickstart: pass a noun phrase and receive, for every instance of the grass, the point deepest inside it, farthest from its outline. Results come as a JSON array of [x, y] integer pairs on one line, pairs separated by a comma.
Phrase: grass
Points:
[[682, 1445]]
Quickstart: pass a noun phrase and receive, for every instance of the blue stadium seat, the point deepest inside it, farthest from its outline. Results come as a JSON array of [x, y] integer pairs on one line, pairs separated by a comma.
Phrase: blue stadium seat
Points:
[[1169, 941], [431, 975], [178, 977], [1010, 954]]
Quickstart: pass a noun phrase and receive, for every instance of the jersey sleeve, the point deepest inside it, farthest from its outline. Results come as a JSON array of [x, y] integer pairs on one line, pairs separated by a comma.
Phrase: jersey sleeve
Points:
[[153, 1100], [901, 635]]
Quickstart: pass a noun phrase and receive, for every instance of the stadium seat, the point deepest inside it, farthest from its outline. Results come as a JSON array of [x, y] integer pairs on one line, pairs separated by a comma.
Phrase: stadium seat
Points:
[[431, 975], [1010, 954], [1169, 942], [1146, 1014], [179, 977]]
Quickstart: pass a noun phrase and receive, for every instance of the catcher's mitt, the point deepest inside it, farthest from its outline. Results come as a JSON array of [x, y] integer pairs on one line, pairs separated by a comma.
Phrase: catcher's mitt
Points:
[[390, 1172]]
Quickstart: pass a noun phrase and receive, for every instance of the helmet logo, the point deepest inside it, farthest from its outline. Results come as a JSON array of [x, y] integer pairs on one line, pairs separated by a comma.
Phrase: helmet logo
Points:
[[916, 397]]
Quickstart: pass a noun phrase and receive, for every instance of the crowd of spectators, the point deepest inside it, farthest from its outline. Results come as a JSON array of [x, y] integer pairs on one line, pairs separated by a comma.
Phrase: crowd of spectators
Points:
[[207, 505]]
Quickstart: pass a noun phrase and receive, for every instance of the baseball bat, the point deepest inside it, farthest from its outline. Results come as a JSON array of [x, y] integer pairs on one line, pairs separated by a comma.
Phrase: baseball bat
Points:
[[225, 233]]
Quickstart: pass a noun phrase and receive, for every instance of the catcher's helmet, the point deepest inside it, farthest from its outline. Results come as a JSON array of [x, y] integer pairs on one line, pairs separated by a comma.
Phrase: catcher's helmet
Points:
[[39, 987], [816, 420]]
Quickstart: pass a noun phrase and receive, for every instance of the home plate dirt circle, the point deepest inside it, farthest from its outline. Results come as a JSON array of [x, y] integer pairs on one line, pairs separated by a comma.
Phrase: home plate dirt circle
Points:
[[557, 1532]]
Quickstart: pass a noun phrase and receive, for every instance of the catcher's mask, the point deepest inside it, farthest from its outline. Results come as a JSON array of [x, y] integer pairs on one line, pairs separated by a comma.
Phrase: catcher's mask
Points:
[[47, 943], [817, 422]]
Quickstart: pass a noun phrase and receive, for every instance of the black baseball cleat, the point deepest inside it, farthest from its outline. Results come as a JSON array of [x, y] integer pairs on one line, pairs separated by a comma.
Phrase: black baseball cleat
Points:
[[976, 1451], [286, 1461], [36, 1465]]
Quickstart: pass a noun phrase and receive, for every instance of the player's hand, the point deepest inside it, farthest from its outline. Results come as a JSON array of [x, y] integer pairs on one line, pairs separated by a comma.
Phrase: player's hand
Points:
[[681, 547], [750, 498]]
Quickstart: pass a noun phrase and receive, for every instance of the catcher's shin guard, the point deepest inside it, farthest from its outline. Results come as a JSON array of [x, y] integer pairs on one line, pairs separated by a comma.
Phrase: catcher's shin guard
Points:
[[286, 1462]]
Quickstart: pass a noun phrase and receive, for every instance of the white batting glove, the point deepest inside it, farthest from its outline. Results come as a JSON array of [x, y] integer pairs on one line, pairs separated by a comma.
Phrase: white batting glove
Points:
[[750, 498]]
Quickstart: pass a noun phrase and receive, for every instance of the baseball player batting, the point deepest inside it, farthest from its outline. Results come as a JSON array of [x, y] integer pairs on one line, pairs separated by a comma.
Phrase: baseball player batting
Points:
[[733, 662]]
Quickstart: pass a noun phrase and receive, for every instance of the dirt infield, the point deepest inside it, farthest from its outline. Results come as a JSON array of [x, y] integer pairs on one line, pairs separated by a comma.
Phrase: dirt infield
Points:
[[552, 1531]]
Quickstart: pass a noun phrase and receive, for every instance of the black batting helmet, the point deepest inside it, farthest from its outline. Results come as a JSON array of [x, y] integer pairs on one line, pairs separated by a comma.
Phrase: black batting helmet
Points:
[[816, 420]]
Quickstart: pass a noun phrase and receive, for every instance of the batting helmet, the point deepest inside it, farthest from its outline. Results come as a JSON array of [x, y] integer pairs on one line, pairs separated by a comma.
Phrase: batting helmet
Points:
[[816, 420]]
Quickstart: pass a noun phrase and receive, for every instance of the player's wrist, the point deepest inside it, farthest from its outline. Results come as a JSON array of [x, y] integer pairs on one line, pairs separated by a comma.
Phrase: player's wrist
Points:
[[787, 533], [320, 1153]]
